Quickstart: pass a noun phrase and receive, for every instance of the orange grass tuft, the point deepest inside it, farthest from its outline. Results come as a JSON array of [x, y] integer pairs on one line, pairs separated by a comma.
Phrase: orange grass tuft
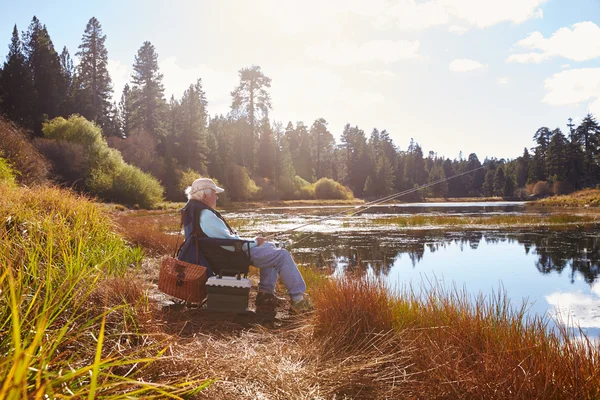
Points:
[[157, 234]]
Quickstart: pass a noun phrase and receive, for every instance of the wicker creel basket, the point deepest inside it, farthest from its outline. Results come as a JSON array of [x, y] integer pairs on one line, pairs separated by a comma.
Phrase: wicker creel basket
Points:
[[183, 280]]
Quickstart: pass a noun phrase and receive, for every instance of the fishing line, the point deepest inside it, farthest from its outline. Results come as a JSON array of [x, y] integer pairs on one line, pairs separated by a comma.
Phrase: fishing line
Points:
[[366, 206]]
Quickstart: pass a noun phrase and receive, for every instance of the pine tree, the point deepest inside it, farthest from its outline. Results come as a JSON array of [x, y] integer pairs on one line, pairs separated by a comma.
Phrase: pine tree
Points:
[[499, 181], [148, 91], [304, 160], [192, 149], [251, 100], [522, 168], [68, 89], [322, 144], [588, 136], [126, 112], [556, 157], [16, 90], [94, 83], [266, 151], [385, 176], [488, 183], [285, 170], [44, 65]]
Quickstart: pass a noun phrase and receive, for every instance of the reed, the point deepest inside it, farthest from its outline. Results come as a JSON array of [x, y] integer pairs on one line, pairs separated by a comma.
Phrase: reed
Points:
[[449, 345], [65, 329], [487, 221]]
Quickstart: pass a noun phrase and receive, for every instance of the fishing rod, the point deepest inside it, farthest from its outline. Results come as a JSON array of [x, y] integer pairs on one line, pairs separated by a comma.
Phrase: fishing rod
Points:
[[373, 203]]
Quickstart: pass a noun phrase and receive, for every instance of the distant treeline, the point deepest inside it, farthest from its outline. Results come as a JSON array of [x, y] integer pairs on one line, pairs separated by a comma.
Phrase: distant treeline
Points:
[[252, 156]]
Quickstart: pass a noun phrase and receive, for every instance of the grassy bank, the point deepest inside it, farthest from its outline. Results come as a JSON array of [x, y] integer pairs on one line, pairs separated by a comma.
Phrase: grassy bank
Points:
[[582, 198], [74, 321]]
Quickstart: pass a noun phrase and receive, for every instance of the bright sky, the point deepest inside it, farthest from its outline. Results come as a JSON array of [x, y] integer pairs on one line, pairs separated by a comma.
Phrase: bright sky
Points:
[[456, 75]]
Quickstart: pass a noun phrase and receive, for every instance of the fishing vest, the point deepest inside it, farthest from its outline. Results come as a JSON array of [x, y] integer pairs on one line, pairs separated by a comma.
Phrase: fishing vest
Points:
[[201, 249]]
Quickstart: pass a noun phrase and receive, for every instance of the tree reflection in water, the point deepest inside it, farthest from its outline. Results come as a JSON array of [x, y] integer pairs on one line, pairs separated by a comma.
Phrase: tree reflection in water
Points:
[[557, 250]]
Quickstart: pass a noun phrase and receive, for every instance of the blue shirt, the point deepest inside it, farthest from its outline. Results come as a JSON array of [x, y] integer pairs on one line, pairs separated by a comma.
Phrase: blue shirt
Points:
[[214, 227]]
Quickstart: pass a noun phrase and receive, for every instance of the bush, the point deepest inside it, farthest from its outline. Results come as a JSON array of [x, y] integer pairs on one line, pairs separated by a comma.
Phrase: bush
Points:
[[106, 174], [541, 188], [239, 185], [19, 151], [69, 161], [7, 175], [139, 149], [268, 191], [303, 189], [563, 187], [326, 188]]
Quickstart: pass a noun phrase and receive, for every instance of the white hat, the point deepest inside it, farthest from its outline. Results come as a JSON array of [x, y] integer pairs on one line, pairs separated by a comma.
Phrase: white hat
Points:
[[205, 183]]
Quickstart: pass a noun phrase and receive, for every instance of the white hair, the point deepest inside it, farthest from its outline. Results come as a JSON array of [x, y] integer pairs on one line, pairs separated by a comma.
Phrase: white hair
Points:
[[197, 194]]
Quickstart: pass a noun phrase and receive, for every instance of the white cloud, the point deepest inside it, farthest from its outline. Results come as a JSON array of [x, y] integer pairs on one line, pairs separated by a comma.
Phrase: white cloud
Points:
[[573, 87], [565, 66], [528, 58], [344, 53], [485, 13], [459, 30], [120, 74], [318, 92], [502, 81], [410, 15], [216, 84], [581, 43], [576, 309], [376, 74], [296, 18], [464, 65], [594, 107]]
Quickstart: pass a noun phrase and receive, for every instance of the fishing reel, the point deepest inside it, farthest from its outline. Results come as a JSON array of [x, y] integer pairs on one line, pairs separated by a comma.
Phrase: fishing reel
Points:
[[284, 244]]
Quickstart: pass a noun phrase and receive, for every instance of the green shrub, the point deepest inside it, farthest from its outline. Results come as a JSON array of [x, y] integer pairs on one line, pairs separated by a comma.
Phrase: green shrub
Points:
[[268, 191], [326, 188], [7, 175], [239, 184], [307, 192], [29, 165], [303, 189], [187, 178], [106, 174]]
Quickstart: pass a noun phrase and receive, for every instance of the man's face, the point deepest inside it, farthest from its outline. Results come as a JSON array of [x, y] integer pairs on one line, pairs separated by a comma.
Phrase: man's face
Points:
[[211, 199]]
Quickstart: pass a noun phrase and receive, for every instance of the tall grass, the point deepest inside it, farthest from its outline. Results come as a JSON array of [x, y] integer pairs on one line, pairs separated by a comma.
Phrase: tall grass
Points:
[[71, 322], [449, 345]]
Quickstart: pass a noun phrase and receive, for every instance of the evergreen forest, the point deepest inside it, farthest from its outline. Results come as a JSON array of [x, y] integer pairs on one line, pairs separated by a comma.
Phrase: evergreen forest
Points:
[[114, 149]]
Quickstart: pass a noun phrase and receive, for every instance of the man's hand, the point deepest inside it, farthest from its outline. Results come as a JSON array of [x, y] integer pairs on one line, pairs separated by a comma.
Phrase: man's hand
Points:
[[260, 240]]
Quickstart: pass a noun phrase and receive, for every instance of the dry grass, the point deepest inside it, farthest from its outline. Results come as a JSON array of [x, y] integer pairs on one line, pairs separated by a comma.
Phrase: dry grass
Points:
[[155, 232], [582, 198], [363, 342]]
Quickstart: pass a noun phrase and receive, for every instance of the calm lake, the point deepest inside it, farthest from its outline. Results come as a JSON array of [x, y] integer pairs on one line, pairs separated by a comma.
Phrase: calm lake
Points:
[[553, 270]]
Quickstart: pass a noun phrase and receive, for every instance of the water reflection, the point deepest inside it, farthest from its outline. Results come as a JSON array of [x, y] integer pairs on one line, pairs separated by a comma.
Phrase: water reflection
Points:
[[553, 271], [573, 250]]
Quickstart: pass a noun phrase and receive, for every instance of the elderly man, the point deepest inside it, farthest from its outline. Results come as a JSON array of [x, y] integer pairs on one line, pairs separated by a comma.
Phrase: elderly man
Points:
[[271, 260]]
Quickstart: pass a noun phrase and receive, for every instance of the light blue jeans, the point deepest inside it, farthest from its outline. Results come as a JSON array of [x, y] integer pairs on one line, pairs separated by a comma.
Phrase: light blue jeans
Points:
[[273, 261]]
